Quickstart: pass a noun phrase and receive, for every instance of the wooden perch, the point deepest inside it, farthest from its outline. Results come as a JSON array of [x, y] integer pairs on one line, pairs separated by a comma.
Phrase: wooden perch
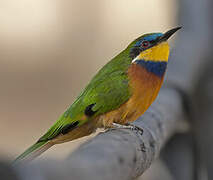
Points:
[[122, 153]]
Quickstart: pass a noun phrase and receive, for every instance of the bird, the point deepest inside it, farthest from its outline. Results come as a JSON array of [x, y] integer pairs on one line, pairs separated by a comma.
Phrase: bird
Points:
[[120, 92]]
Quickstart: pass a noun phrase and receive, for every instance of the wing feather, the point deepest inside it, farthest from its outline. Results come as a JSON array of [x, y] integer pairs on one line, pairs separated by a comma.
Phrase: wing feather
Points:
[[107, 91]]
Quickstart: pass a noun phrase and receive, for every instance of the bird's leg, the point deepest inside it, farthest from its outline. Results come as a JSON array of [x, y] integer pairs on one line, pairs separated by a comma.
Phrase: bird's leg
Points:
[[128, 126], [135, 127]]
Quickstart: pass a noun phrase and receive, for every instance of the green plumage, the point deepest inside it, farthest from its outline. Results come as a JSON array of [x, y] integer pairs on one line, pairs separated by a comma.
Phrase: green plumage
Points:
[[107, 91]]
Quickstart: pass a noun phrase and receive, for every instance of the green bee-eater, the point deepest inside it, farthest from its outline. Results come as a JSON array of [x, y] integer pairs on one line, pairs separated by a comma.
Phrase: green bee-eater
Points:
[[118, 94]]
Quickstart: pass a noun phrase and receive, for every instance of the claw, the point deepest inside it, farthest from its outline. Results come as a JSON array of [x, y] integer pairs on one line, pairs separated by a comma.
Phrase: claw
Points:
[[128, 126]]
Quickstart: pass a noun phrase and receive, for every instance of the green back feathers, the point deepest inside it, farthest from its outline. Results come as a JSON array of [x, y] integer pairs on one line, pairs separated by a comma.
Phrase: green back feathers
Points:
[[106, 91]]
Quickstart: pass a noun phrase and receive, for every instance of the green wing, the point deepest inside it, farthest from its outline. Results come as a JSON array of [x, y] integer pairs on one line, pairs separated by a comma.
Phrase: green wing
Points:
[[107, 91], [104, 93]]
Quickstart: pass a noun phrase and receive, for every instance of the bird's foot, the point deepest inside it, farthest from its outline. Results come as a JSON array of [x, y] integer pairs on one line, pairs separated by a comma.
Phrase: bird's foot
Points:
[[128, 126]]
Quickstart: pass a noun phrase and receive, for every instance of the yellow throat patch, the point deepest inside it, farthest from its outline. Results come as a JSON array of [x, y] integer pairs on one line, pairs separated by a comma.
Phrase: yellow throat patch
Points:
[[156, 53]]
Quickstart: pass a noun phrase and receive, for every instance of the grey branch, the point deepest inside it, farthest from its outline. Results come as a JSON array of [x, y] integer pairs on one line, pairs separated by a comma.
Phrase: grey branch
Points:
[[122, 153], [126, 154]]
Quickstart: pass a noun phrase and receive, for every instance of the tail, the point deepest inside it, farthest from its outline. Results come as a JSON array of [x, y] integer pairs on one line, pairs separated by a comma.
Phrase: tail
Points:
[[33, 151]]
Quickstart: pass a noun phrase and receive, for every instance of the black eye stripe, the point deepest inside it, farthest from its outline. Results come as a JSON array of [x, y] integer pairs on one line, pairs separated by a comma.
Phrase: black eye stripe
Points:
[[138, 47], [134, 52]]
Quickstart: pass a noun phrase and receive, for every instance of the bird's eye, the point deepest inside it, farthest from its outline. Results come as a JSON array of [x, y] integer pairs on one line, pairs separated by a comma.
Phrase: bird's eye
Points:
[[145, 44]]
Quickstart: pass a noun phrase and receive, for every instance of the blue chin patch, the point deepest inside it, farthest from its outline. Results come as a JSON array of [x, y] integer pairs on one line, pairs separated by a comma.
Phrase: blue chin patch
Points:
[[157, 68]]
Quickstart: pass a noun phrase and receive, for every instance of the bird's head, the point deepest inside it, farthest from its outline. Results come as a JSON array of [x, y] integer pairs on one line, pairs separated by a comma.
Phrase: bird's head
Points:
[[151, 47]]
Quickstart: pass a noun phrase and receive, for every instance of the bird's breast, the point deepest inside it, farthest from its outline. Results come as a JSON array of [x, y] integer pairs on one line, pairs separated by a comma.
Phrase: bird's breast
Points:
[[145, 82]]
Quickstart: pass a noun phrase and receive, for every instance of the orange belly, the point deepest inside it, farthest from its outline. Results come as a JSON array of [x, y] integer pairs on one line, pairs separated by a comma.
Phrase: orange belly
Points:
[[145, 87]]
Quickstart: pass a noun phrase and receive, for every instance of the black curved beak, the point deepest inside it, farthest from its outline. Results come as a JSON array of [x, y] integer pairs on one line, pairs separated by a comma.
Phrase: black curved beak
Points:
[[168, 34]]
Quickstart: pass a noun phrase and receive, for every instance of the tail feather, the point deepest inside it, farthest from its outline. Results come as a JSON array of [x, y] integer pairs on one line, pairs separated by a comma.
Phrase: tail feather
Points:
[[33, 151]]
